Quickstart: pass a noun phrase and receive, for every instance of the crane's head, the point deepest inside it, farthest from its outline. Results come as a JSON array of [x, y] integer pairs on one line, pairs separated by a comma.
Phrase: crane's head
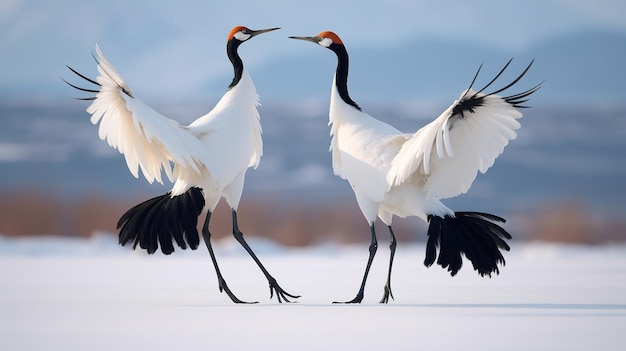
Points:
[[325, 39], [241, 33]]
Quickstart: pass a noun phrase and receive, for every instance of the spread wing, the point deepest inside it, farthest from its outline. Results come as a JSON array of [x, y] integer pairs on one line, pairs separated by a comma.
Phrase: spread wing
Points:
[[446, 154], [149, 141]]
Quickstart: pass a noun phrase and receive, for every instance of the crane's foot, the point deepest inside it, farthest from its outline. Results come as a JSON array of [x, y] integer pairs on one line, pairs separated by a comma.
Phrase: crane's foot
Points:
[[281, 294], [387, 294], [224, 288], [357, 299]]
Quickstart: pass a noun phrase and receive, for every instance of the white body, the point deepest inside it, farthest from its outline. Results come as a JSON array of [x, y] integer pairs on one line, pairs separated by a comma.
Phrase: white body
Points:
[[394, 173], [212, 153]]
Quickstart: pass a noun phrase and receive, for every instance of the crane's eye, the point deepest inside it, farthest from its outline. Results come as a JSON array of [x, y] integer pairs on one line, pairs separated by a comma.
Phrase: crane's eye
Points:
[[243, 34], [325, 42]]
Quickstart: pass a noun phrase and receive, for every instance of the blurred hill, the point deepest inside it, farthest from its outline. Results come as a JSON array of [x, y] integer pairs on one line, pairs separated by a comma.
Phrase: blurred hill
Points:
[[567, 165], [585, 66]]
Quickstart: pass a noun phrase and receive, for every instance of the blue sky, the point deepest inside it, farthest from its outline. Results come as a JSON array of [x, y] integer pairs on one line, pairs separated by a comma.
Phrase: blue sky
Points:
[[502, 23], [38, 37]]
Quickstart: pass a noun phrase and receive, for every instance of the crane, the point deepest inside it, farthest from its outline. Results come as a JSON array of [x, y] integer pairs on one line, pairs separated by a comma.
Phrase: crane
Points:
[[206, 160], [407, 174]]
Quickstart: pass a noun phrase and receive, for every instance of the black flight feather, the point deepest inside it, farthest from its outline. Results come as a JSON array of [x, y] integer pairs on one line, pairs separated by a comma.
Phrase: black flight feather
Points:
[[470, 103]]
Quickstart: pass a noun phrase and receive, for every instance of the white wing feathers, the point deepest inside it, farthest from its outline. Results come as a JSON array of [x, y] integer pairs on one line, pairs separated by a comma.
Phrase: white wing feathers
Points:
[[148, 140], [446, 155], [448, 152]]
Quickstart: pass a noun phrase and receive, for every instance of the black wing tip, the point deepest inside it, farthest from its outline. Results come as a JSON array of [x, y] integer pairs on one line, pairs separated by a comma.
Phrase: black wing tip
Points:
[[469, 103], [515, 81], [79, 88], [517, 100], [94, 91], [496, 77], [95, 58], [83, 76], [121, 88], [475, 235], [473, 81]]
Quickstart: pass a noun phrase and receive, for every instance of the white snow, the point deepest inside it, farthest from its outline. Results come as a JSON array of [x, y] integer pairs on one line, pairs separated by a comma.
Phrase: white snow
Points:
[[67, 294]]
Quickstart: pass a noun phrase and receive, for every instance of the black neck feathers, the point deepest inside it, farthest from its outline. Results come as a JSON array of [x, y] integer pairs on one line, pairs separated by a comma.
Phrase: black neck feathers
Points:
[[341, 76], [233, 56]]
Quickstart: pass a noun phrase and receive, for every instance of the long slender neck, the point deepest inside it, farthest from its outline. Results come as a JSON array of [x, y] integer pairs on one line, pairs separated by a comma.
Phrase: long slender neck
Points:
[[233, 56], [341, 75]]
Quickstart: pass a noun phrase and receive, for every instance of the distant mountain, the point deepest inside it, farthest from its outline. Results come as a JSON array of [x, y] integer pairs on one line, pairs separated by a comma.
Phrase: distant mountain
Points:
[[589, 66], [561, 154], [580, 68], [585, 67]]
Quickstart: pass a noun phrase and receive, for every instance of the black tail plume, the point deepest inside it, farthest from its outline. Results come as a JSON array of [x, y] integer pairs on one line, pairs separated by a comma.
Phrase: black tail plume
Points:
[[472, 234], [162, 220]]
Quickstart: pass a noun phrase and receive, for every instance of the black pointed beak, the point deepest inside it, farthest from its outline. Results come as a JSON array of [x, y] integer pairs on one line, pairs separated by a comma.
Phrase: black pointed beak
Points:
[[315, 39], [254, 33]]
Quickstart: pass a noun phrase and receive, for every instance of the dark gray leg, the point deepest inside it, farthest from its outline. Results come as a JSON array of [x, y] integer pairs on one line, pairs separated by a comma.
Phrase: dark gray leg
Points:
[[280, 293], [392, 247], [222, 283], [372, 249]]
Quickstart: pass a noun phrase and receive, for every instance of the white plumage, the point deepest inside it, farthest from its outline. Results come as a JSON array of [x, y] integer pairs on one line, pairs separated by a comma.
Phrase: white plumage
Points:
[[216, 147], [207, 160], [447, 153], [398, 174]]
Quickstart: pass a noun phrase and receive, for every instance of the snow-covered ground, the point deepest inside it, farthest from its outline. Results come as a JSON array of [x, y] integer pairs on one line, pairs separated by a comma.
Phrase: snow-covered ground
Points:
[[62, 294]]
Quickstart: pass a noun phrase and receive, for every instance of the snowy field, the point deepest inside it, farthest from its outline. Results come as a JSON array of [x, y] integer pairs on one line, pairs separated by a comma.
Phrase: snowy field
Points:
[[62, 294]]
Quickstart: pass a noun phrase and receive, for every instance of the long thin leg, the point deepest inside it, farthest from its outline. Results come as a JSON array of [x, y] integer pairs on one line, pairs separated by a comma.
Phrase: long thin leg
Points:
[[280, 293], [392, 248], [222, 283], [372, 249]]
